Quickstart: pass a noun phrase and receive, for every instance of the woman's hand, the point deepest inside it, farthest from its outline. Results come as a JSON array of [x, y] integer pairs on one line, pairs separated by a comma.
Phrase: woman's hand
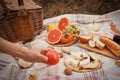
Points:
[[34, 55], [31, 55]]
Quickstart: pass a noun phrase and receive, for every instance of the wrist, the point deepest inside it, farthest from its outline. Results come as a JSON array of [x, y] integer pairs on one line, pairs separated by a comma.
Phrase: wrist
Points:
[[20, 53]]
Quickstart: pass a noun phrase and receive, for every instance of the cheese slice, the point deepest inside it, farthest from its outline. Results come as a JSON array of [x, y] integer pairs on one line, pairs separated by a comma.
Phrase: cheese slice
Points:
[[94, 56], [83, 62], [72, 61], [92, 64]]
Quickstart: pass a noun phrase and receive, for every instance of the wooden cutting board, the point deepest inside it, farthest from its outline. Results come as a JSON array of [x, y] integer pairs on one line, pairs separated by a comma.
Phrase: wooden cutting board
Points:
[[63, 45], [105, 51], [78, 69]]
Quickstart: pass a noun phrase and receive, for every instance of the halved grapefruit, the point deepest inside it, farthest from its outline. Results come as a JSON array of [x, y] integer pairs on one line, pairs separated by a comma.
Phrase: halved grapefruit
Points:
[[63, 23], [54, 36]]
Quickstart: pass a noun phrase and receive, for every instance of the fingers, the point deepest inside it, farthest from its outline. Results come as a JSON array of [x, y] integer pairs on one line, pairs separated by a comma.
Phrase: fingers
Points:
[[43, 51], [40, 57], [36, 55], [43, 58], [37, 58]]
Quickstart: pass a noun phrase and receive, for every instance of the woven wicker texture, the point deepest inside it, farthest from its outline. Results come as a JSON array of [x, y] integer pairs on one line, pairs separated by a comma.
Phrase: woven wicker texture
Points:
[[18, 28]]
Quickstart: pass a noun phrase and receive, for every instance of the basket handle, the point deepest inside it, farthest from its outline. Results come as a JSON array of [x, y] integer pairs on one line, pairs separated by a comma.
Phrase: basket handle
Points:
[[22, 11], [20, 3]]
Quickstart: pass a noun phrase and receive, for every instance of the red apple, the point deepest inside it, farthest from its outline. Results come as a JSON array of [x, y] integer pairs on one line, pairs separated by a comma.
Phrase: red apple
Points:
[[53, 57]]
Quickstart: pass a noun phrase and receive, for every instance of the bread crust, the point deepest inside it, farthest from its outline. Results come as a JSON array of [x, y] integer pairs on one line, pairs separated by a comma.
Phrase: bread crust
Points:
[[84, 39], [111, 45]]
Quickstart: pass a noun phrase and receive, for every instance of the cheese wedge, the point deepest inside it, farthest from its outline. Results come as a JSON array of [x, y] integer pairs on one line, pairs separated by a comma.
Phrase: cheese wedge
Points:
[[94, 56], [77, 57], [72, 61], [92, 64]]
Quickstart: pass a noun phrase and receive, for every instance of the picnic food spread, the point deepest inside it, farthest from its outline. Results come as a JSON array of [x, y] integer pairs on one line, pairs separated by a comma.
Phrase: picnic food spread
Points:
[[82, 46], [84, 62], [103, 45], [65, 32]]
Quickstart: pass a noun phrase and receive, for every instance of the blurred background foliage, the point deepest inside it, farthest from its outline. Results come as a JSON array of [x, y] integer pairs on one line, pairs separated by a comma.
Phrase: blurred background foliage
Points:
[[53, 8]]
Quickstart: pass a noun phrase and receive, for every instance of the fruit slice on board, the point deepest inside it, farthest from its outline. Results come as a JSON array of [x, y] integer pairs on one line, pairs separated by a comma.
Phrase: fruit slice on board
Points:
[[54, 36], [63, 23]]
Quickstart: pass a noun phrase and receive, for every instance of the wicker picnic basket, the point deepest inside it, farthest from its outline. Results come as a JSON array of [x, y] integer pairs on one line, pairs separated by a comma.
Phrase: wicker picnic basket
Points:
[[20, 28]]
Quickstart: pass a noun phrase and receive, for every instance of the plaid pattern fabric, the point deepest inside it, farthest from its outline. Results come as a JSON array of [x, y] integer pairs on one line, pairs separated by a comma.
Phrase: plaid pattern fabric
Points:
[[109, 70]]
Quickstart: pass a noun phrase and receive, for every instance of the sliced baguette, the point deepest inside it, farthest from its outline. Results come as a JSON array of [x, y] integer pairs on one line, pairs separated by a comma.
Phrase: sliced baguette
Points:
[[84, 39], [98, 43], [91, 43], [111, 45]]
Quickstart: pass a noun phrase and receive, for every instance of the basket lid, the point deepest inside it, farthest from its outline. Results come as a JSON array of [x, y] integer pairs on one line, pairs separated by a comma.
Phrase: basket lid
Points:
[[28, 4]]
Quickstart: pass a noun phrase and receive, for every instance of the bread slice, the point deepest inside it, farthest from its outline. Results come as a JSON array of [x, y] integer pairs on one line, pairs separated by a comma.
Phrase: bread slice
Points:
[[91, 43], [111, 45], [84, 39], [98, 43], [24, 64]]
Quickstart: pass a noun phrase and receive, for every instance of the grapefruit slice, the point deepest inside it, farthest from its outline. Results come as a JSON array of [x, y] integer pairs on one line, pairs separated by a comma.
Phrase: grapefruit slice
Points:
[[54, 36], [63, 23]]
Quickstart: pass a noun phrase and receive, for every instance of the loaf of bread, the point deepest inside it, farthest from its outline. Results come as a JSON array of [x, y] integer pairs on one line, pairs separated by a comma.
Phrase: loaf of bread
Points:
[[111, 45]]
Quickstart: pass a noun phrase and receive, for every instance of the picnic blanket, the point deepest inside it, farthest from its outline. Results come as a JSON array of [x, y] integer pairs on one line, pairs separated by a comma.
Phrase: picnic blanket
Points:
[[9, 70]]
